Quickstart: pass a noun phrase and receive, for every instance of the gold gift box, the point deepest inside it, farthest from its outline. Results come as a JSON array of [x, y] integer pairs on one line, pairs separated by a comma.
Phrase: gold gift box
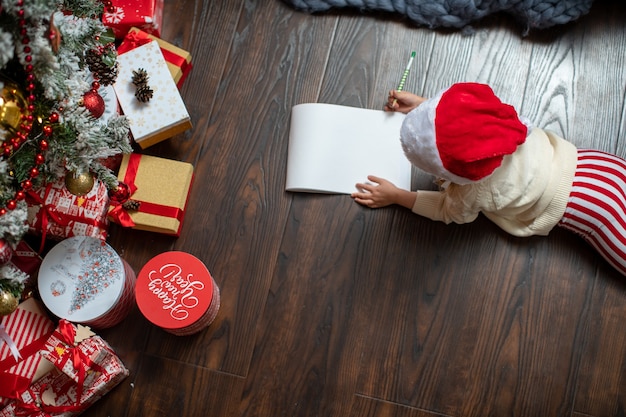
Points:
[[161, 183]]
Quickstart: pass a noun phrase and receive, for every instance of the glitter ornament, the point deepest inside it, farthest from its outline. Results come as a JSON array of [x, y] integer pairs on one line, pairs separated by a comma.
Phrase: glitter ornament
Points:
[[120, 194], [79, 183], [8, 303], [94, 103], [13, 108]]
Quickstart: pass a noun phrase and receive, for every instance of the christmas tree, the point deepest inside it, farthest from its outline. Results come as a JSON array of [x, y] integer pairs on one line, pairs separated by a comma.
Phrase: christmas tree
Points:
[[54, 58]]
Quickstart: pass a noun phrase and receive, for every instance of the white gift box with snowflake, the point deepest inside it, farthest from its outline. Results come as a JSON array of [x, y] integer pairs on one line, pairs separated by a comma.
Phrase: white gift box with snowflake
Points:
[[161, 116], [83, 280]]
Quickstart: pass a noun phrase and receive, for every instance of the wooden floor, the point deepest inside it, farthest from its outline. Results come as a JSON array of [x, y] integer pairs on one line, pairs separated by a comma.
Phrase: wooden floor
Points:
[[333, 310]]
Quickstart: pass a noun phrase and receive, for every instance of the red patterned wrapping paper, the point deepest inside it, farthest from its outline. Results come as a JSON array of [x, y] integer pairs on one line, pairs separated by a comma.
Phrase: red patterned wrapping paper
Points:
[[56, 213], [27, 328], [85, 371], [146, 15]]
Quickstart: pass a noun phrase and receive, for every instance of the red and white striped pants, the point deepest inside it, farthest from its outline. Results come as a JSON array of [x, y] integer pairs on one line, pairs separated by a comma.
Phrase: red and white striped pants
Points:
[[596, 209]]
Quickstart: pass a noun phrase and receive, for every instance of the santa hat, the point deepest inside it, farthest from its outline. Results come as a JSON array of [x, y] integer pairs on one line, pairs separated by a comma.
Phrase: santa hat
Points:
[[462, 134]]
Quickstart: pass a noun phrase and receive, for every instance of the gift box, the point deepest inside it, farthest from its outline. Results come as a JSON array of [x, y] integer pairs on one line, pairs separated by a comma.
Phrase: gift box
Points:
[[121, 15], [85, 369], [22, 334], [162, 116], [83, 279], [158, 188], [178, 60], [176, 292], [54, 212]]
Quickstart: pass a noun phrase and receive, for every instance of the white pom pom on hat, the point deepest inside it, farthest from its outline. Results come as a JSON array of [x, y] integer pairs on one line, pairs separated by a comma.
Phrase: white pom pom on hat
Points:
[[462, 134]]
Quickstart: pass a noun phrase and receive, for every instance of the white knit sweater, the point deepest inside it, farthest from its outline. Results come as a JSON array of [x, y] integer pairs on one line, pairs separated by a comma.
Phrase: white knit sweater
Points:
[[525, 196]]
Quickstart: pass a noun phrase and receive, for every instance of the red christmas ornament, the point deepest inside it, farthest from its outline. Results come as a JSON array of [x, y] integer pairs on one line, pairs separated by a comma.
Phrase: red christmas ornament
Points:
[[94, 103], [121, 194], [6, 253]]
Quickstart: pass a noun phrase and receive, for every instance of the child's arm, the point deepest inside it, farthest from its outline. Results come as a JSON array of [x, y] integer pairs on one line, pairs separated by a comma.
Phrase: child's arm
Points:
[[402, 101], [380, 193]]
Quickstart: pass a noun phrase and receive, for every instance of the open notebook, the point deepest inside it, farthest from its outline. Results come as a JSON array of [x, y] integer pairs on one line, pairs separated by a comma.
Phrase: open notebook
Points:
[[332, 147]]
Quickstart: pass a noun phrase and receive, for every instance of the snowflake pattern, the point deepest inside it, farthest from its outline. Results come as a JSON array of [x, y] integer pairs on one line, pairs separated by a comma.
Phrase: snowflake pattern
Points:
[[114, 17]]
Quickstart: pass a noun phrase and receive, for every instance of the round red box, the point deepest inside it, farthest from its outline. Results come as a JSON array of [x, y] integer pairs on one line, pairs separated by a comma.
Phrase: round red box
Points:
[[176, 292], [82, 279]]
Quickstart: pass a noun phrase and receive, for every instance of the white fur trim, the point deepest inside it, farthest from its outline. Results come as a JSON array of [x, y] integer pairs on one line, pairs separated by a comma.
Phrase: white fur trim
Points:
[[418, 138]]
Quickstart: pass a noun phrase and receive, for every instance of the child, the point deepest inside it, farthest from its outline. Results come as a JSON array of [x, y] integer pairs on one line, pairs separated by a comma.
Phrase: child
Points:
[[488, 160]]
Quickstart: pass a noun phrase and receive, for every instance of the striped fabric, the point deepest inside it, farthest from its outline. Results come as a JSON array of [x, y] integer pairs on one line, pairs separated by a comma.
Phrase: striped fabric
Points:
[[596, 209]]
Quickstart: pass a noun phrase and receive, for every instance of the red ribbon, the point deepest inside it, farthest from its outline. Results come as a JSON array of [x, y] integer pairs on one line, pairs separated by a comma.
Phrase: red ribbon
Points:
[[133, 40], [119, 213]]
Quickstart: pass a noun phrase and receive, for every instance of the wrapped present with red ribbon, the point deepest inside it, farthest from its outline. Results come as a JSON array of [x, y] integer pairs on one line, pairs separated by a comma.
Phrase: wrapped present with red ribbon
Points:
[[178, 60], [121, 15], [23, 334], [86, 368], [152, 194], [149, 97], [56, 213]]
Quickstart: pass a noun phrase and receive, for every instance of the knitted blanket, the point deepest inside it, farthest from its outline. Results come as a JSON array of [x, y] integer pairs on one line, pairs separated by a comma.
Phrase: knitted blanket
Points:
[[539, 14]]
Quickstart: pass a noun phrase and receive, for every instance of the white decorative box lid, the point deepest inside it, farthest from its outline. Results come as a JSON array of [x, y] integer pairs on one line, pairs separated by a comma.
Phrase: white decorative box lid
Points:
[[81, 278], [165, 114]]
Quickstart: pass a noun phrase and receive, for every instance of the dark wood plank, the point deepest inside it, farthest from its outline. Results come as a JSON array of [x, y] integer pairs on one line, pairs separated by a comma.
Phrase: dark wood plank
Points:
[[374, 407], [163, 387]]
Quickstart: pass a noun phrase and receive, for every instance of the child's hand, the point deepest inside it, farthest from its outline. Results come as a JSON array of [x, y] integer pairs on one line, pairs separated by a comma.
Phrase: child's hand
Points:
[[402, 101], [377, 193]]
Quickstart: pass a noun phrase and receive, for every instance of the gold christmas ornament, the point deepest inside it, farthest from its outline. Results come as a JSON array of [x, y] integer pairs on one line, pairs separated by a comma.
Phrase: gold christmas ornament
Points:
[[13, 106], [8, 303], [79, 183]]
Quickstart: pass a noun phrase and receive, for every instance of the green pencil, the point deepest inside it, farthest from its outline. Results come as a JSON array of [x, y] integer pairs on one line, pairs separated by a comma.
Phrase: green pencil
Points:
[[404, 76]]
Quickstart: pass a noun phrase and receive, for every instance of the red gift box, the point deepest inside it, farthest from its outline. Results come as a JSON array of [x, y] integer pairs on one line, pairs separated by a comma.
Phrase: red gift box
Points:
[[86, 369], [146, 15], [22, 334], [56, 213]]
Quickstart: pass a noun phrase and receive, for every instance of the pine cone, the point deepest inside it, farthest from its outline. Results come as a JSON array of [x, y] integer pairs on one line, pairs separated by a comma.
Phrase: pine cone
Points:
[[104, 73], [131, 205], [140, 77], [144, 93]]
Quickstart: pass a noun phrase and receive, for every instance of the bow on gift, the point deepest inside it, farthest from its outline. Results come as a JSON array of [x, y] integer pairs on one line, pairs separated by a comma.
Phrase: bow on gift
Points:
[[119, 213], [30, 402], [48, 212]]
